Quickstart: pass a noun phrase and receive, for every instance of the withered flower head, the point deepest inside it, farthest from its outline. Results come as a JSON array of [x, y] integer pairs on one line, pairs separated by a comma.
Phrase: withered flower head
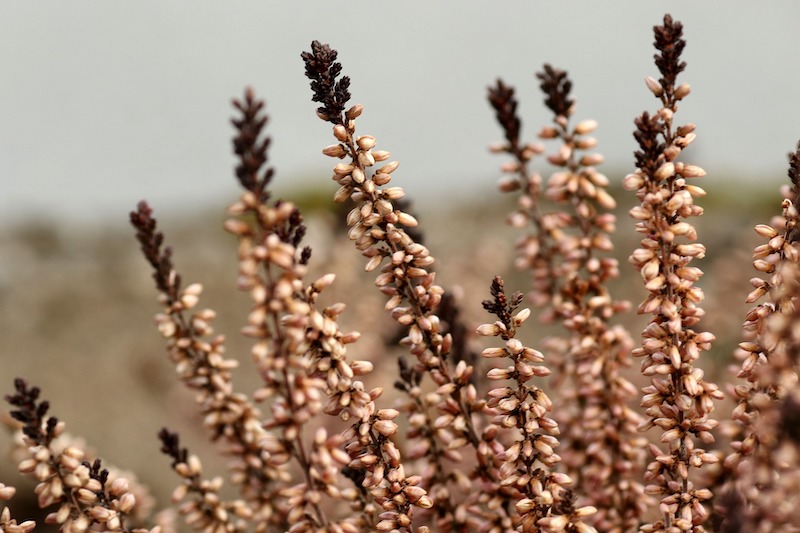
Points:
[[322, 69], [670, 43], [556, 85], [502, 100]]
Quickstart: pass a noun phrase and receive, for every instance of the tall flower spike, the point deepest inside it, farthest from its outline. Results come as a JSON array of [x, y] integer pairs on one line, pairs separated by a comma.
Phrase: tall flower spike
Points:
[[765, 495], [543, 500], [535, 251], [199, 363], [205, 511], [600, 442], [678, 401], [768, 371], [301, 356], [87, 498], [378, 228]]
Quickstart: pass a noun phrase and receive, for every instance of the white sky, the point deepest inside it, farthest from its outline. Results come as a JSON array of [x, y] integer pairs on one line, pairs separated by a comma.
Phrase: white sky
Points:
[[103, 103]]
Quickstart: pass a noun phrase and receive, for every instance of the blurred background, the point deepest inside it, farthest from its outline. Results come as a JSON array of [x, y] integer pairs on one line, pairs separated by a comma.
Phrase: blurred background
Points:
[[103, 104]]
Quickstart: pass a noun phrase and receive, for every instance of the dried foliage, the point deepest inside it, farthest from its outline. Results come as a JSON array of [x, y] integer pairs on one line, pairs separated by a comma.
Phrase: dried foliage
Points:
[[550, 439]]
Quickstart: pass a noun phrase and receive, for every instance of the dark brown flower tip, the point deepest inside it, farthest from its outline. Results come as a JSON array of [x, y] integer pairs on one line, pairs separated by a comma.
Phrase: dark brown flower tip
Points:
[[556, 86], [97, 472], [171, 446], [501, 98], [293, 232], [150, 241], [500, 305], [31, 412], [670, 43], [250, 146], [648, 130], [322, 69], [794, 171]]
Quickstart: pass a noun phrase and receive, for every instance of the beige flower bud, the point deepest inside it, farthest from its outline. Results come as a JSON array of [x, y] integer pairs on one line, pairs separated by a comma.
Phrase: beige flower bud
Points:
[[585, 126], [334, 150], [354, 112], [654, 86], [665, 171], [682, 91], [366, 142], [340, 132]]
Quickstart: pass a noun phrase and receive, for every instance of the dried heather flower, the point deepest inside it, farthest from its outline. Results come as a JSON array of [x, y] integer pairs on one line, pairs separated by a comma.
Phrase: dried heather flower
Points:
[[200, 365], [767, 458], [295, 337], [536, 250], [85, 496], [300, 354], [378, 228], [762, 453], [543, 501], [601, 443], [205, 511], [678, 401]]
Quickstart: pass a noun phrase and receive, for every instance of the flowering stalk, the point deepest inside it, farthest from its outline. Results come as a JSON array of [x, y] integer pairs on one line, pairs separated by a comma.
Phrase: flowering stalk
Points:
[[544, 501], [294, 337], [678, 401], [535, 251], [766, 397], [601, 446], [378, 228], [206, 511], [86, 497], [301, 356], [200, 365]]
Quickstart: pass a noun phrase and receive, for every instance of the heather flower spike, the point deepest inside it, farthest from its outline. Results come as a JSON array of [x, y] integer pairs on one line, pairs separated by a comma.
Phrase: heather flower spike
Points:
[[758, 472], [561, 454], [544, 500], [87, 496], [378, 228], [535, 251], [564, 249], [678, 401], [322, 69]]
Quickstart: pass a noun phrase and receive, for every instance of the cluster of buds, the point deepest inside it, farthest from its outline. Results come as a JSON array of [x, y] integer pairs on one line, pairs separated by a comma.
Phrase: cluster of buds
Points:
[[206, 511], [542, 497], [764, 493], [87, 497], [201, 366], [300, 353], [378, 228], [601, 444], [767, 394], [679, 400], [537, 249]]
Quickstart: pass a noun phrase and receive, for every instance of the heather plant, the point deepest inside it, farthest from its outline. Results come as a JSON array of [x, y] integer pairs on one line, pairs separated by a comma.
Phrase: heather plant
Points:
[[548, 436]]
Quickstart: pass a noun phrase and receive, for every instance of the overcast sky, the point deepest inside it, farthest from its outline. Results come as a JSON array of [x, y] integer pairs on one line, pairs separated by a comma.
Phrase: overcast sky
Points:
[[103, 103]]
